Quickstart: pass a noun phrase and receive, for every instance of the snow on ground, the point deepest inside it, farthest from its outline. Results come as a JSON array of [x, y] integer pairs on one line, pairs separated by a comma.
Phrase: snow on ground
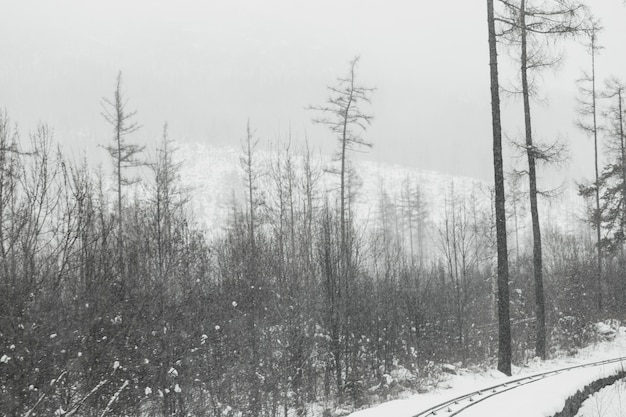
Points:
[[608, 402], [540, 399]]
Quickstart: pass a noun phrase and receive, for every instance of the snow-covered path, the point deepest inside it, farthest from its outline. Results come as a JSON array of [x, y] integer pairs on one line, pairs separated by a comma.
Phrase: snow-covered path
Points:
[[544, 397], [540, 399]]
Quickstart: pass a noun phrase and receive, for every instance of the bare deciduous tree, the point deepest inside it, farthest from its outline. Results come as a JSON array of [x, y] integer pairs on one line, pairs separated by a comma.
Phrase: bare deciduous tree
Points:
[[458, 242]]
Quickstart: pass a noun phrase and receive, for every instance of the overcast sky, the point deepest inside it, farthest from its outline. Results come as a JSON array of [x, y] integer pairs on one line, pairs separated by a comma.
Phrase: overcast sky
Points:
[[208, 66]]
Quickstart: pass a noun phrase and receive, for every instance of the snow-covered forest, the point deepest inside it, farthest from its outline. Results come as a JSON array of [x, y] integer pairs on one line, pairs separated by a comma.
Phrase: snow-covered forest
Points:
[[273, 280]]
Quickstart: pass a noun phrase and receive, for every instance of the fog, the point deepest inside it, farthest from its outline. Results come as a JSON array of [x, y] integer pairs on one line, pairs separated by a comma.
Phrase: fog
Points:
[[208, 67]]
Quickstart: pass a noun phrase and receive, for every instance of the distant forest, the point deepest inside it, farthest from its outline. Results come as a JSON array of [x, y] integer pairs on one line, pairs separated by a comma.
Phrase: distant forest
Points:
[[114, 302]]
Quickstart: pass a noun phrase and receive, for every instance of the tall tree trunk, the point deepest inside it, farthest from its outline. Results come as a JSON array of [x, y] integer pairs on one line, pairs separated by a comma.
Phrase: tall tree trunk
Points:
[[540, 347], [597, 220], [623, 147], [120, 224], [504, 323], [623, 157], [344, 286], [253, 318], [250, 179]]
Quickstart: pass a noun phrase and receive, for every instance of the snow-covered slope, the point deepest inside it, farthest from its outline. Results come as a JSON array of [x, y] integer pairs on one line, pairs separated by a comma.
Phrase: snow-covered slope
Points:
[[216, 179]]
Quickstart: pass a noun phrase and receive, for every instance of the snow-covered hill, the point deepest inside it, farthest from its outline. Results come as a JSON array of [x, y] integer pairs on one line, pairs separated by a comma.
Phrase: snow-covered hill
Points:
[[215, 176]]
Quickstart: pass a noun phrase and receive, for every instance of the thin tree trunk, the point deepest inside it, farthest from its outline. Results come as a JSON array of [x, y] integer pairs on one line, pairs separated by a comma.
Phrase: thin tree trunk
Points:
[[410, 219], [344, 287], [597, 184], [120, 244], [623, 155], [253, 317], [250, 186], [516, 223], [623, 146], [540, 346], [504, 323]]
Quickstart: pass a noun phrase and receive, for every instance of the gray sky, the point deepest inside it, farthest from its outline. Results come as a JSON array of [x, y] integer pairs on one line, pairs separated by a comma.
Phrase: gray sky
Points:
[[208, 66]]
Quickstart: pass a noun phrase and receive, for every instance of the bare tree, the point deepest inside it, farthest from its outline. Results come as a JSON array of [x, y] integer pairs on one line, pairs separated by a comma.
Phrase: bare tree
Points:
[[343, 116], [515, 197], [251, 177], [169, 196], [458, 242], [534, 29], [123, 154], [587, 107], [8, 184], [414, 211], [308, 188]]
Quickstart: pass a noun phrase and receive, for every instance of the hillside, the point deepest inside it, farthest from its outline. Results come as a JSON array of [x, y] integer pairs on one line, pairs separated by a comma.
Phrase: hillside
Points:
[[215, 178]]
